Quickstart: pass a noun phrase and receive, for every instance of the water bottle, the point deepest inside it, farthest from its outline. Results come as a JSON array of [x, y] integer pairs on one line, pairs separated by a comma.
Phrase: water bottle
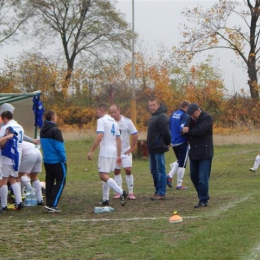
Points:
[[30, 199], [33, 197], [27, 201], [103, 209]]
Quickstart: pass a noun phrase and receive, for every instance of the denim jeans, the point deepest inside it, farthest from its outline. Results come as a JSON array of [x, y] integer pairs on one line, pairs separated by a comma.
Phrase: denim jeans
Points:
[[200, 174], [158, 171]]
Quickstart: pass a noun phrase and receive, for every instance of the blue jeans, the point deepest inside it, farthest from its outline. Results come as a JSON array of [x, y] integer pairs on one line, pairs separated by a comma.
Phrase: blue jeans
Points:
[[158, 171], [200, 174]]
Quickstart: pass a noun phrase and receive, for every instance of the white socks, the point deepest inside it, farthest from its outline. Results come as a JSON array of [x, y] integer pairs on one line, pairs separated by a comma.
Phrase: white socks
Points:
[[17, 192], [174, 169], [106, 190], [4, 194], [118, 179], [180, 174], [26, 182], [113, 185], [257, 162], [130, 182], [38, 188]]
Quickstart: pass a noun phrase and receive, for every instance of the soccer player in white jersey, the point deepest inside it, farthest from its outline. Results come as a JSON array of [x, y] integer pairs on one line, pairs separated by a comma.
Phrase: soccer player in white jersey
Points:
[[11, 108], [31, 164], [108, 137], [127, 129], [8, 172]]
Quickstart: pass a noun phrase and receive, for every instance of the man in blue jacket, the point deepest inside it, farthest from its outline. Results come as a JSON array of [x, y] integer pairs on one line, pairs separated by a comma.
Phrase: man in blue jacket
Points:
[[54, 158], [180, 145], [158, 142], [200, 137]]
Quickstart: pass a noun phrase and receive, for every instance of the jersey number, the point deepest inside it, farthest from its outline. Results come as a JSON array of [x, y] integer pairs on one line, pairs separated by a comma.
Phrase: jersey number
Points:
[[113, 131], [20, 137]]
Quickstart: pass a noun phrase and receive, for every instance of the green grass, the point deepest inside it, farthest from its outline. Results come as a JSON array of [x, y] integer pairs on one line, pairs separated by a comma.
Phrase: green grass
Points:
[[227, 229]]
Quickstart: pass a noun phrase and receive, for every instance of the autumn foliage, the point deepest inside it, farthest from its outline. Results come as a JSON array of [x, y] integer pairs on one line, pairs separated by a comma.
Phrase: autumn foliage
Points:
[[200, 83]]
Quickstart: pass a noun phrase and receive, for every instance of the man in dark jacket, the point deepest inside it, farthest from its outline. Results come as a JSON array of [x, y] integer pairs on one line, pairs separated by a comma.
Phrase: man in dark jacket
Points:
[[199, 132], [54, 158], [158, 142]]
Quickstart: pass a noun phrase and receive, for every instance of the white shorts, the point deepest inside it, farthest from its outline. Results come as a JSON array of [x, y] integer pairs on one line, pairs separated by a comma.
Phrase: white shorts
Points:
[[31, 162], [127, 161], [106, 164], [8, 170]]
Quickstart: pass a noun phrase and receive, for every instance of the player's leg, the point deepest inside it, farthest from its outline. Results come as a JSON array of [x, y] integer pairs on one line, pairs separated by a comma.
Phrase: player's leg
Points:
[[256, 164], [174, 168], [127, 163], [105, 194], [118, 179], [106, 165], [27, 162], [38, 188], [4, 193], [16, 187], [183, 151], [37, 167], [59, 173], [49, 183], [25, 180]]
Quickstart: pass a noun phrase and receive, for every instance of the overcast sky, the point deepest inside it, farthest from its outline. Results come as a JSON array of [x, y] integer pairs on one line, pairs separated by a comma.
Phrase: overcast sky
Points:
[[157, 22]]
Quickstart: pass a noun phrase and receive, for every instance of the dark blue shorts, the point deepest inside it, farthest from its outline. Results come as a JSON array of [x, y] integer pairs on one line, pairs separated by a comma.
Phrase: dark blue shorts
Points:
[[181, 152]]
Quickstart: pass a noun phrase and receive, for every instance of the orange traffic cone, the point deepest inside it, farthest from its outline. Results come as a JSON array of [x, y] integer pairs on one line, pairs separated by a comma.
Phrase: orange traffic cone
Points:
[[175, 218]]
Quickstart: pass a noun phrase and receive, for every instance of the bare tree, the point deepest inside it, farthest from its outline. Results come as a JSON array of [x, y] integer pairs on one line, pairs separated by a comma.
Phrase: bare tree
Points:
[[215, 28], [91, 27], [13, 15]]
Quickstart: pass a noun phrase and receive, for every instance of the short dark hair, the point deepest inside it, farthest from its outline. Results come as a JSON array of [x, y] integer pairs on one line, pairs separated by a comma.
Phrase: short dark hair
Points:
[[184, 103], [49, 115], [153, 98], [103, 107], [7, 114]]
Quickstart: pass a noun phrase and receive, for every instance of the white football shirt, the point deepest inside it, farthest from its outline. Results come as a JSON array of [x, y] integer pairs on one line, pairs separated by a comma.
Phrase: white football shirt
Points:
[[110, 129], [127, 128], [19, 130]]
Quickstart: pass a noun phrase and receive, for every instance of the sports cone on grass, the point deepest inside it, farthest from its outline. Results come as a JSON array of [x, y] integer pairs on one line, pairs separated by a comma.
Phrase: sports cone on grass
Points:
[[175, 218]]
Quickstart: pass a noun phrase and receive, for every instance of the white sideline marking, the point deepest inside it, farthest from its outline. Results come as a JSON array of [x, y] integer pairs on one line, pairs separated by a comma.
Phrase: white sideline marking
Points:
[[93, 220], [228, 206], [254, 254]]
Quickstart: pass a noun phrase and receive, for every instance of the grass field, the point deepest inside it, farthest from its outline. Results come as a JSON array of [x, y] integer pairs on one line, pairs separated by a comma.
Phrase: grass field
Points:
[[227, 229]]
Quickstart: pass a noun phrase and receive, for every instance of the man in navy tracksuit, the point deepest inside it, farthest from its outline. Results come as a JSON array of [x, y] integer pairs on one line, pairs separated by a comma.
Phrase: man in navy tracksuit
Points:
[[54, 158]]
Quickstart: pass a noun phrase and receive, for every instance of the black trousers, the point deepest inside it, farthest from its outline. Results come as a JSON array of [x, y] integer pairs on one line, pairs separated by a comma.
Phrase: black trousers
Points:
[[55, 181]]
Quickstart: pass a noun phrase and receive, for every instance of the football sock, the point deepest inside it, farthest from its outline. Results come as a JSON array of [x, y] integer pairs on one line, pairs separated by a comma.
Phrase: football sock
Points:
[[114, 186], [130, 182], [17, 192], [257, 162], [37, 185], [106, 190], [180, 174], [118, 179], [174, 169], [26, 182], [4, 194]]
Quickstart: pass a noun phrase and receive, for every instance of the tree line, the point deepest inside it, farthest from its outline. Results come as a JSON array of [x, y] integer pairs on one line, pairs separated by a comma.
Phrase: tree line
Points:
[[90, 62]]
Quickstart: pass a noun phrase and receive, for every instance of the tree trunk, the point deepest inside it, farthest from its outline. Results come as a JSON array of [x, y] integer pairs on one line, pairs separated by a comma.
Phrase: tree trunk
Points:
[[252, 82], [251, 64]]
